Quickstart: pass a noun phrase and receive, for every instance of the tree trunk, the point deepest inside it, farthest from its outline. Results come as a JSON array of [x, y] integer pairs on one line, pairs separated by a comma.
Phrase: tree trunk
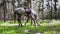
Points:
[[5, 9]]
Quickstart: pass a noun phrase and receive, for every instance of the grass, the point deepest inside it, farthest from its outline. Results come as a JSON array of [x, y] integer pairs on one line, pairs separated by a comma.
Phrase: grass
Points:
[[21, 30], [31, 29]]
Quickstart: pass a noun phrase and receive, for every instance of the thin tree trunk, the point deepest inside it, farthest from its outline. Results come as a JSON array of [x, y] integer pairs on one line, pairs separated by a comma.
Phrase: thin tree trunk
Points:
[[13, 10], [48, 7], [30, 4], [55, 9], [51, 11], [5, 9], [42, 10]]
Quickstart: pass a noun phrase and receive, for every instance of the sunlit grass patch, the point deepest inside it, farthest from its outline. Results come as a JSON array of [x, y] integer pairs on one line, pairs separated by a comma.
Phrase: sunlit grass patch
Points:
[[49, 32]]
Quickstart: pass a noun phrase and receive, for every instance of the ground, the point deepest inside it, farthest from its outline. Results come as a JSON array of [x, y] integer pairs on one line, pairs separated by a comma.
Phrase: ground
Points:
[[53, 27]]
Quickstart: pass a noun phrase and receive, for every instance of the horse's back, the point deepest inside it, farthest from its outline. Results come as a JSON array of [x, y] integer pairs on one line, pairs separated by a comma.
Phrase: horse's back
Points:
[[28, 11], [20, 10]]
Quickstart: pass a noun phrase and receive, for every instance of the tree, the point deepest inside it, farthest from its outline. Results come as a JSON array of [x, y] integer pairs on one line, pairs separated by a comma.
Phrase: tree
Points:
[[55, 1], [5, 9], [42, 10], [48, 9], [13, 1], [51, 11]]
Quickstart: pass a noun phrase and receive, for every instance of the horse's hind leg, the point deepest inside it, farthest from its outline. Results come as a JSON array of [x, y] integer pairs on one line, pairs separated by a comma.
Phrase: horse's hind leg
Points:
[[19, 20]]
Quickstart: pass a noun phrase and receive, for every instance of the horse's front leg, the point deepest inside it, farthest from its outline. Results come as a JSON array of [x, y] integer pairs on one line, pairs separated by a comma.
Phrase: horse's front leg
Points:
[[19, 20], [33, 19], [26, 20]]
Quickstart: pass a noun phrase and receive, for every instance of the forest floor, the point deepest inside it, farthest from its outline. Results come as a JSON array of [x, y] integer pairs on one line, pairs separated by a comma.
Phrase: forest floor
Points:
[[46, 27]]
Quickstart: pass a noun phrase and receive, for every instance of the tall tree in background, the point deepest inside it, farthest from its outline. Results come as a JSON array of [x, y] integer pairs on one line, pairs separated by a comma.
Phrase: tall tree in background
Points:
[[42, 10], [5, 9], [29, 3], [51, 11], [18, 3], [48, 8], [13, 1], [39, 6], [55, 1]]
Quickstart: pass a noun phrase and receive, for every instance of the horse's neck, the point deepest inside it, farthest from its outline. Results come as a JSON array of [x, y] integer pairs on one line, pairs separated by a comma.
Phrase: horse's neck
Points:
[[34, 12]]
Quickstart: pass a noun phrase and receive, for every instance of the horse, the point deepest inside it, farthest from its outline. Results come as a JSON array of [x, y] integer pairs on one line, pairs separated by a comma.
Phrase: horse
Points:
[[28, 12]]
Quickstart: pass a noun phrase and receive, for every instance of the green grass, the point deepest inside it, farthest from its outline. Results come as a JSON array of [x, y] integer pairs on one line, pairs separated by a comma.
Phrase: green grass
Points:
[[21, 30], [32, 29]]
